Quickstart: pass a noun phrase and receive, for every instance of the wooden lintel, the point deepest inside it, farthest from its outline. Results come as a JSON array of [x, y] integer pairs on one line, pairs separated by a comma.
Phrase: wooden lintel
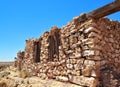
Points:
[[105, 10]]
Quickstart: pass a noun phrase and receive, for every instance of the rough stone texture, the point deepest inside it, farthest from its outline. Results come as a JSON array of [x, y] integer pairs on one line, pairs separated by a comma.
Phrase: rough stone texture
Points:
[[12, 78], [86, 53]]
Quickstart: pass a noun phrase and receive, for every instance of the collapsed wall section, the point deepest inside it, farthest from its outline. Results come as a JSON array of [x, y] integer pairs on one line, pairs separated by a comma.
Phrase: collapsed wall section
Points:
[[84, 53]]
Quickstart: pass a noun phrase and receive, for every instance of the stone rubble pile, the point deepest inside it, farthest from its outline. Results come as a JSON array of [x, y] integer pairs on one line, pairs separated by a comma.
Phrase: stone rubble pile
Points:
[[84, 53]]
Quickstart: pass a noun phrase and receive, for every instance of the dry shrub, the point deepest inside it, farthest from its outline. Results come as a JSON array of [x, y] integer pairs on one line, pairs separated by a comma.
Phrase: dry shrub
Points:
[[24, 74], [2, 84]]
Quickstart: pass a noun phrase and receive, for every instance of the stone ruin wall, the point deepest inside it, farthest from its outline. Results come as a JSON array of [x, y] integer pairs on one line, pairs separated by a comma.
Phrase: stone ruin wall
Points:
[[87, 54]]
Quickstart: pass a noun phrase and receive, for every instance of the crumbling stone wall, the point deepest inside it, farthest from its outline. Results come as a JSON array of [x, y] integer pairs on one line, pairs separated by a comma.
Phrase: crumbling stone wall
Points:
[[86, 53], [109, 53]]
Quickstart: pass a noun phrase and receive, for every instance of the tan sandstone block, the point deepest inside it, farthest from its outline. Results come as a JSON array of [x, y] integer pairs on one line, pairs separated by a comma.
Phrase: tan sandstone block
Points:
[[84, 81]]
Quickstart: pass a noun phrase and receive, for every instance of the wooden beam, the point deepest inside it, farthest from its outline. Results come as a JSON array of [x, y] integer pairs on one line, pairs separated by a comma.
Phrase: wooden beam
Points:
[[105, 10]]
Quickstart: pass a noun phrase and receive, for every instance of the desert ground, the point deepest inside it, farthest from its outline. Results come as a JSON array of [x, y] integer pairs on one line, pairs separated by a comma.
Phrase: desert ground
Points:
[[11, 77]]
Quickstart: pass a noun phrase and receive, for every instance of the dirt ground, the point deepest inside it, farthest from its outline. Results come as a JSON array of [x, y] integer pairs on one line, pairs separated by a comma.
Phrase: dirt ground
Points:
[[11, 77]]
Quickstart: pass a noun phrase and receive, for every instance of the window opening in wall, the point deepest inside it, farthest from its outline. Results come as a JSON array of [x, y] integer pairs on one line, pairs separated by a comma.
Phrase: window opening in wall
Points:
[[54, 43], [51, 48], [37, 52]]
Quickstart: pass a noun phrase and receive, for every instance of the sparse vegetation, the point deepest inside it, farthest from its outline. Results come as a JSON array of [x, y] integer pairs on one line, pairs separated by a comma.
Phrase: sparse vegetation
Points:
[[4, 65], [24, 74]]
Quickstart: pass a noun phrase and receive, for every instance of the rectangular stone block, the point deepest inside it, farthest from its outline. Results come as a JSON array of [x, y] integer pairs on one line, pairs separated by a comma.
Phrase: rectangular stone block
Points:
[[84, 81]]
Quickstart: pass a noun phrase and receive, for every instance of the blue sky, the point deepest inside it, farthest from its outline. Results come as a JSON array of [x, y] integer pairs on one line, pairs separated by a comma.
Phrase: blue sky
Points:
[[23, 19]]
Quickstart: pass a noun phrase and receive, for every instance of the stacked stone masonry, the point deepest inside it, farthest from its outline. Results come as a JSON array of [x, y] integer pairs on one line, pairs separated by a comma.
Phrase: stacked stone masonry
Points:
[[84, 53]]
